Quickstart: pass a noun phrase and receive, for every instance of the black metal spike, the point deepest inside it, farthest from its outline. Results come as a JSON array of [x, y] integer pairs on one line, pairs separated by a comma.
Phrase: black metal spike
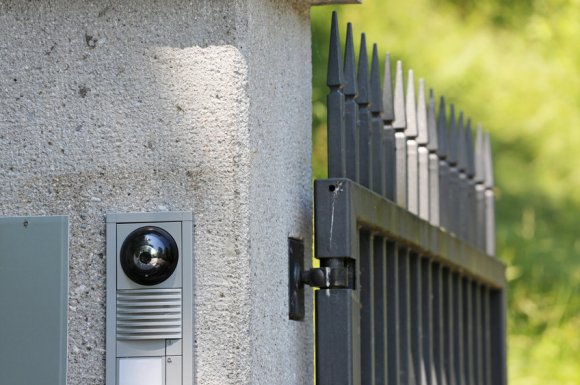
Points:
[[400, 121], [481, 236], [334, 74], [335, 103], [350, 83], [351, 117], [488, 162], [377, 140], [363, 73], [389, 133], [411, 107], [479, 166], [433, 143], [489, 197], [376, 92], [388, 107], [442, 130], [422, 130], [451, 137], [461, 150], [469, 150], [363, 100]]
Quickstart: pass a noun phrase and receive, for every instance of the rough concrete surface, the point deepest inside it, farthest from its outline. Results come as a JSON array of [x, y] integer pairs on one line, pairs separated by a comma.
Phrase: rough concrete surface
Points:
[[280, 188], [144, 106]]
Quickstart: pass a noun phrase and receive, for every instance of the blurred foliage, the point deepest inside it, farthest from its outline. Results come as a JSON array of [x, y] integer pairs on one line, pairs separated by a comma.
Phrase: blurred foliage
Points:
[[514, 66]]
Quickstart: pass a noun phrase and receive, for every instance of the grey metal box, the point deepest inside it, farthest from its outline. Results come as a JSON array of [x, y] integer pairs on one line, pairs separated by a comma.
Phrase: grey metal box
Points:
[[33, 300]]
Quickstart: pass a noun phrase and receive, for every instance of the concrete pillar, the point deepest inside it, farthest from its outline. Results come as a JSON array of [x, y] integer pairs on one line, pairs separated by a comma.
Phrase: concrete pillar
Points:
[[146, 106]]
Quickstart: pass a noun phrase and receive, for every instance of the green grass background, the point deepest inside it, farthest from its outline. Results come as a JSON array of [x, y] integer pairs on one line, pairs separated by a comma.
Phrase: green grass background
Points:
[[514, 66]]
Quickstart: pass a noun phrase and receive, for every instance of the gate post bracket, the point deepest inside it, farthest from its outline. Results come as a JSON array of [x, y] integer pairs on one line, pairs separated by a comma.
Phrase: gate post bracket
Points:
[[319, 277]]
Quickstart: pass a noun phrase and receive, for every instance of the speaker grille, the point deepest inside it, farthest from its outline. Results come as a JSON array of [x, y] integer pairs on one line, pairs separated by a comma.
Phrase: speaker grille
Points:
[[148, 314]]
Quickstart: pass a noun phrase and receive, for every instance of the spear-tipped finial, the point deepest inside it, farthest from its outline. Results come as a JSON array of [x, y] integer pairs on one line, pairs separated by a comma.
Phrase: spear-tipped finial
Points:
[[469, 150], [335, 77], [433, 143], [388, 107], [442, 130], [400, 121], [451, 137], [461, 150], [411, 107], [488, 162], [363, 72], [350, 84], [422, 130], [479, 166], [376, 92]]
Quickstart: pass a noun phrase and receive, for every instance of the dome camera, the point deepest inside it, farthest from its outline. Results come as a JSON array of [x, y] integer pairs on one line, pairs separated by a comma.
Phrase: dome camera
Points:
[[149, 255]]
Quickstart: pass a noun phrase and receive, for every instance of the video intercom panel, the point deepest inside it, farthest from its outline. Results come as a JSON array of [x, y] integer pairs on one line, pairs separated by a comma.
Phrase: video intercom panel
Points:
[[150, 299]]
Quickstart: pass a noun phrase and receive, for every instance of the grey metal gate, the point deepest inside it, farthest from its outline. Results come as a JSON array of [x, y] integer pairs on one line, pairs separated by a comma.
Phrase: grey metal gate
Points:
[[404, 231]]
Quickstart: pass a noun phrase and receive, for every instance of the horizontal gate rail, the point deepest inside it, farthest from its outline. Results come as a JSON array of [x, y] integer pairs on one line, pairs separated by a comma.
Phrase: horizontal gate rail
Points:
[[407, 219], [343, 207]]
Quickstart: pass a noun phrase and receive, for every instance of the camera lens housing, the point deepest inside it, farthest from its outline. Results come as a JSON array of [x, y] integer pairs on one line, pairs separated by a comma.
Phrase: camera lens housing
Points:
[[149, 255]]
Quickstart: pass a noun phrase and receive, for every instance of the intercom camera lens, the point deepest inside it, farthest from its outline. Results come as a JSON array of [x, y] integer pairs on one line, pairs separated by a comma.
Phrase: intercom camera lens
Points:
[[149, 255], [145, 257]]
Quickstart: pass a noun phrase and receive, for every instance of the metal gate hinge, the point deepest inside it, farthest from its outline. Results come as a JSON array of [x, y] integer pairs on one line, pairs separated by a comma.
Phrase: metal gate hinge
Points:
[[325, 277]]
